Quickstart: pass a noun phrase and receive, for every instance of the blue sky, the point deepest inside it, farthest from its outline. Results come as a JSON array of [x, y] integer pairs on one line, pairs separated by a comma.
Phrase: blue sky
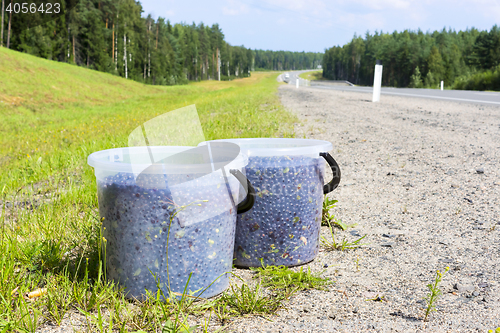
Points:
[[313, 25]]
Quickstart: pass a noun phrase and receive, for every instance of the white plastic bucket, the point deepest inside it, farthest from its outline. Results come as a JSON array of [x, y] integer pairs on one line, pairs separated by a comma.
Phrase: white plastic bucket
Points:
[[283, 226], [180, 199]]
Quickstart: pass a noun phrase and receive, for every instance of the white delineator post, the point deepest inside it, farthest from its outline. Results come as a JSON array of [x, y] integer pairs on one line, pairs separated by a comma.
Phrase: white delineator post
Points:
[[377, 81], [442, 85], [297, 83]]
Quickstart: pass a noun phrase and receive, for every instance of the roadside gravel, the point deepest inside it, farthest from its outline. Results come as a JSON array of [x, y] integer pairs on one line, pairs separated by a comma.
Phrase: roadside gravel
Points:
[[420, 178]]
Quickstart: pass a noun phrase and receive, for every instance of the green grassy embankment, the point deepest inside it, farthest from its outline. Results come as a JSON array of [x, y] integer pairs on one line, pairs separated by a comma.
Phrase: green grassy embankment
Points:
[[313, 75], [53, 116]]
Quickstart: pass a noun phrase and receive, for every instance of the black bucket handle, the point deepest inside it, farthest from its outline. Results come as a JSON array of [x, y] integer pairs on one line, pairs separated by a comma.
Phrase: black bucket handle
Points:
[[249, 201], [334, 183]]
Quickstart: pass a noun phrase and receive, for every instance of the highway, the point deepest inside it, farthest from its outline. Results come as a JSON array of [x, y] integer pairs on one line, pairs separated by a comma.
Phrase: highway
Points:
[[465, 96]]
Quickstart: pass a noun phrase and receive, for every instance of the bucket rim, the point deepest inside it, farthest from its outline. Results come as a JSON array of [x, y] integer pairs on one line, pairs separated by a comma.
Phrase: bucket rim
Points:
[[279, 146], [113, 160]]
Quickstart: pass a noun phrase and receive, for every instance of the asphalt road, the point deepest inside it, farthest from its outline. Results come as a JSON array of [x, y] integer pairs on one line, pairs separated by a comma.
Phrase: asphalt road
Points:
[[466, 96]]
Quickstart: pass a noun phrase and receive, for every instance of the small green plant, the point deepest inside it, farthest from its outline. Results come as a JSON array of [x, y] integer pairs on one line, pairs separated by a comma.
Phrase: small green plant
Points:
[[289, 281], [222, 311], [327, 218], [241, 301], [332, 244], [434, 293], [58, 300], [376, 298], [495, 331]]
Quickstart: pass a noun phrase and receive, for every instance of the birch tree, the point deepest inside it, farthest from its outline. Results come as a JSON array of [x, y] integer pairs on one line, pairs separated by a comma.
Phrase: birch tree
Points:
[[3, 14]]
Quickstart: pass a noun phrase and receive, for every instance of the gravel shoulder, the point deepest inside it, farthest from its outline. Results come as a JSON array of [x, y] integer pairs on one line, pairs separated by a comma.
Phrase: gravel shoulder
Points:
[[420, 178]]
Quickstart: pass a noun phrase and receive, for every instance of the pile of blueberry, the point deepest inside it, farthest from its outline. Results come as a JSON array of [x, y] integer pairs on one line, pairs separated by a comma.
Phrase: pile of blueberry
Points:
[[283, 226], [141, 219]]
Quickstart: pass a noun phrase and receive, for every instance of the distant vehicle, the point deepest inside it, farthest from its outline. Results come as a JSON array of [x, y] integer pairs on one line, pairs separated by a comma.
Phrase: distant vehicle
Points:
[[287, 76]]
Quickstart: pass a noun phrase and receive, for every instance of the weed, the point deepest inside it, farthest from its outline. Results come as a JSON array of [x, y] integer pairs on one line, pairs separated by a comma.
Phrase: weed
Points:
[[331, 245], [327, 218], [244, 300], [289, 281], [58, 300], [222, 311], [357, 263], [434, 293], [376, 298]]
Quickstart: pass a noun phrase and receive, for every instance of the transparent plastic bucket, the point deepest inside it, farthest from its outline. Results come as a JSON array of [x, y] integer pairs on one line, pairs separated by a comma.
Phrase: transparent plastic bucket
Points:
[[283, 226], [178, 203]]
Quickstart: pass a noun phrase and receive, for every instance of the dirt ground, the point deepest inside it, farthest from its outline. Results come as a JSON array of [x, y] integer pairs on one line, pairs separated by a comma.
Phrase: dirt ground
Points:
[[420, 178]]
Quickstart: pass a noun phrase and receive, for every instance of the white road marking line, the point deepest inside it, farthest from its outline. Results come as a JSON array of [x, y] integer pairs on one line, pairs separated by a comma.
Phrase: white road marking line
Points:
[[447, 98], [415, 95], [488, 94]]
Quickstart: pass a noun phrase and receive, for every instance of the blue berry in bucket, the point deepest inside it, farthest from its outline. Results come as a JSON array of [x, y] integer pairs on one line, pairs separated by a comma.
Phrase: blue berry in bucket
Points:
[[140, 221], [283, 226]]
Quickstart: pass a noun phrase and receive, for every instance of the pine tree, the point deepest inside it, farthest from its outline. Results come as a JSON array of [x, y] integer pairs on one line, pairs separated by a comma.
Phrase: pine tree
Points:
[[416, 79], [435, 64]]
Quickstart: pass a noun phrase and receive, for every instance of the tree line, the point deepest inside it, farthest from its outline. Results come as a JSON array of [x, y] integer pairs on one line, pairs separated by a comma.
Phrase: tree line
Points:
[[113, 36], [286, 60], [418, 59]]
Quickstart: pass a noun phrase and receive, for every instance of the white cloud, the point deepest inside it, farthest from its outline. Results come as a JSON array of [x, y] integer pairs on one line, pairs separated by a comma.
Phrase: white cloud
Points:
[[282, 21], [356, 21], [303, 8], [234, 8], [169, 13], [288, 4], [489, 8]]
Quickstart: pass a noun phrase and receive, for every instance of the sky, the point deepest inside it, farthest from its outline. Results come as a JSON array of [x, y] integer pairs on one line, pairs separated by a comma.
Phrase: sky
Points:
[[315, 25]]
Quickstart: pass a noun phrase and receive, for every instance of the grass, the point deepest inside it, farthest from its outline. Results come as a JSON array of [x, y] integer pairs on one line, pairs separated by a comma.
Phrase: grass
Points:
[[331, 244], [53, 116], [281, 283], [313, 75], [328, 218], [290, 281], [434, 293], [245, 300]]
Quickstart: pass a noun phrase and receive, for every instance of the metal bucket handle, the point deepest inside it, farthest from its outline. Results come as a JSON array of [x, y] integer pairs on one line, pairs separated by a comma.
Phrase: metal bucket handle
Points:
[[334, 183]]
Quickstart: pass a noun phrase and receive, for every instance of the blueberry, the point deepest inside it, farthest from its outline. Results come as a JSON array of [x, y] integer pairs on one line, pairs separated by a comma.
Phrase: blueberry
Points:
[[140, 218], [283, 226]]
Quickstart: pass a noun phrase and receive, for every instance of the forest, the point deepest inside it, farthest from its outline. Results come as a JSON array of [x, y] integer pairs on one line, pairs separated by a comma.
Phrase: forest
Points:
[[463, 60], [114, 36]]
